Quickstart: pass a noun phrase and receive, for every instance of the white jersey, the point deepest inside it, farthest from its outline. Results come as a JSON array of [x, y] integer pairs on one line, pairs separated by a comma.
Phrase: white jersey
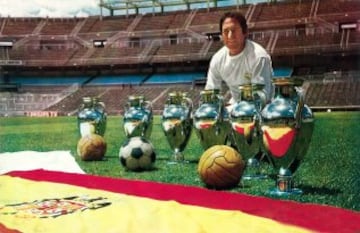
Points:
[[252, 65]]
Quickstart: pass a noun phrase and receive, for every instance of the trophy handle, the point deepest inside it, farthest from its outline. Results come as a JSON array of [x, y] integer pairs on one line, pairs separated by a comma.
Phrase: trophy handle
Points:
[[147, 117], [221, 107], [259, 103], [127, 106], [168, 101], [189, 104], [299, 107], [147, 105], [257, 114]]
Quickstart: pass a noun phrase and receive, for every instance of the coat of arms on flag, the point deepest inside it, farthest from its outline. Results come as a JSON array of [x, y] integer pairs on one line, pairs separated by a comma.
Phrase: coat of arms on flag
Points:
[[53, 207]]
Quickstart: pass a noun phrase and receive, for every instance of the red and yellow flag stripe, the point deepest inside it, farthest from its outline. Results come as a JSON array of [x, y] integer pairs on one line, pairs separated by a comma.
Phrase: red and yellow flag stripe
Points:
[[142, 206]]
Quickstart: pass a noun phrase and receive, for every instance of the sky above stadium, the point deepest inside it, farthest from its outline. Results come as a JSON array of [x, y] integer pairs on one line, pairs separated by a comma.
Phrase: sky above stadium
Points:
[[50, 8], [69, 8]]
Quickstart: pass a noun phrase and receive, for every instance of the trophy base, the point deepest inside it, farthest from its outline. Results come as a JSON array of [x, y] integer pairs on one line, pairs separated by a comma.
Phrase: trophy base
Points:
[[177, 162], [279, 193], [177, 158], [254, 177], [284, 185]]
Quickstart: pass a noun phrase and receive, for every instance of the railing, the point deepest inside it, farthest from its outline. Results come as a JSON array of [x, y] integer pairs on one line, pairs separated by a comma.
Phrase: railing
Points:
[[273, 24], [177, 57], [307, 49], [108, 61], [186, 56], [11, 62]]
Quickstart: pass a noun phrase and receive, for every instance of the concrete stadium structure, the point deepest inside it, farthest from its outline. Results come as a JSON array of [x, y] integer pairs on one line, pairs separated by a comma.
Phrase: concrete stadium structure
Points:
[[318, 40]]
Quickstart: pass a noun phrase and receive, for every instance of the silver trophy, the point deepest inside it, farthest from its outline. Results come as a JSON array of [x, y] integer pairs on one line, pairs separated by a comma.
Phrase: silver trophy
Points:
[[211, 119], [91, 117], [138, 117], [246, 132], [177, 123], [287, 129]]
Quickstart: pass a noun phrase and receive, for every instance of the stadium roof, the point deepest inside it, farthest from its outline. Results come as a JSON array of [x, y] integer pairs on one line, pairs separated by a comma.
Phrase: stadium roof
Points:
[[138, 4]]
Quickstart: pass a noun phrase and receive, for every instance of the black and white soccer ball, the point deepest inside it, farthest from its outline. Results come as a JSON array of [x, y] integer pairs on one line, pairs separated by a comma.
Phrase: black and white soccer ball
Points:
[[137, 154]]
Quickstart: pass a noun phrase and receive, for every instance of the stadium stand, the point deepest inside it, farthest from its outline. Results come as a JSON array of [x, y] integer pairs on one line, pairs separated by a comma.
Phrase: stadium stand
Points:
[[70, 104], [49, 81], [173, 78], [352, 39], [19, 26], [281, 11], [290, 44], [62, 26], [32, 100], [338, 11], [283, 72], [333, 94], [207, 21], [109, 56], [117, 80], [179, 52], [93, 28], [154, 22]]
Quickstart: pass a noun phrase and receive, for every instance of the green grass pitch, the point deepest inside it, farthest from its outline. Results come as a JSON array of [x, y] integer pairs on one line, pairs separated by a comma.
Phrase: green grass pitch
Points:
[[329, 174]]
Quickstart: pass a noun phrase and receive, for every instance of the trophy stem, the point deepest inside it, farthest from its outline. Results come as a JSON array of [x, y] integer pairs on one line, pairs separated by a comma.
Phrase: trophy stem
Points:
[[177, 157], [253, 170], [284, 185]]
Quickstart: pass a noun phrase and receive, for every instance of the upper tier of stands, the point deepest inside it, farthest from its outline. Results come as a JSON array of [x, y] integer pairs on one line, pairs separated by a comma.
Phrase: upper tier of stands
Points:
[[208, 20], [325, 42], [106, 24], [178, 52], [115, 55], [19, 26], [339, 11], [54, 26], [283, 28], [92, 28], [162, 22], [290, 27], [273, 14], [281, 14]]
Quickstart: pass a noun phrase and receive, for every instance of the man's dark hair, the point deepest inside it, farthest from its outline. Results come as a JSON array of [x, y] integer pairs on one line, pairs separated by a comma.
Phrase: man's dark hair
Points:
[[237, 16]]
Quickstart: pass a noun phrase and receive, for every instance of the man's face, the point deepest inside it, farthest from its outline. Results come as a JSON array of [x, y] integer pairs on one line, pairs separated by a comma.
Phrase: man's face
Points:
[[233, 36]]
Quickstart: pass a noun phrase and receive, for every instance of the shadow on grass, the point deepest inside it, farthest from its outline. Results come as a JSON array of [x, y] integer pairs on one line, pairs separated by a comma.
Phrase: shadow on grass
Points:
[[272, 176], [196, 161], [193, 161], [307, 189], [319, 190], [107, 157], [141, 170]]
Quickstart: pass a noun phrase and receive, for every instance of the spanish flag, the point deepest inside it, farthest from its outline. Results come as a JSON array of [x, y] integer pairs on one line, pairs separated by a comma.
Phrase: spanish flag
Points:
[[51, 201]]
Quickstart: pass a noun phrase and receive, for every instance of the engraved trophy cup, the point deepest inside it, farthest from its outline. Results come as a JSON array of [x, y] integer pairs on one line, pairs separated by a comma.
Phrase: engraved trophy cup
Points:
[[287, 128], [177, 123], [211, 119], [138, 117], [92, 117], [246, 132]]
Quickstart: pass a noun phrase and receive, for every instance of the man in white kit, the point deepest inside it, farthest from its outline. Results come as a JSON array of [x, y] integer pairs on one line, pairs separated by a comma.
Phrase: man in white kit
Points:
[[240, 61]]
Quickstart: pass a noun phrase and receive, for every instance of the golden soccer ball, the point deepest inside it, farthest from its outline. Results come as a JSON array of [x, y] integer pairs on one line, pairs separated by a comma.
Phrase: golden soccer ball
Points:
[[221, 167], [91, 147]]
